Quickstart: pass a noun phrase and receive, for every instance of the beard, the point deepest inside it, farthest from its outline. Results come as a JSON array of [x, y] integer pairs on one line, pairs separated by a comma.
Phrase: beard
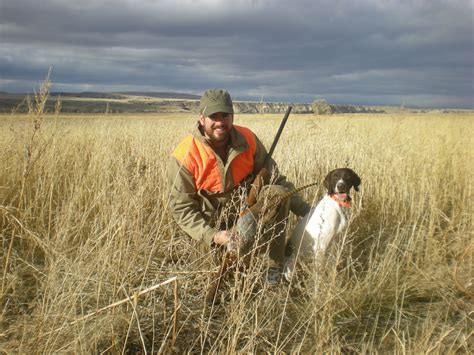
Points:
[[217, 134]]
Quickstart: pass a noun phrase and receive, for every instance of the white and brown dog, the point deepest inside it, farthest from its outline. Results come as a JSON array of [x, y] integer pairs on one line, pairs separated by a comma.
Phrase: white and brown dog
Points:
[[328, 218]]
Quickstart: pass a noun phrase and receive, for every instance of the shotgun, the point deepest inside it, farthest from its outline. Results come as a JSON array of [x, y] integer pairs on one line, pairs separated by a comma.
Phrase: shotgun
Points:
[[263, 174], [230, 256]]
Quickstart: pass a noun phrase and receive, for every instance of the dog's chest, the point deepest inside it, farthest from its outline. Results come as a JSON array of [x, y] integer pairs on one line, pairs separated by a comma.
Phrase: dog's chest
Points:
[[344, 214], [329, 216]]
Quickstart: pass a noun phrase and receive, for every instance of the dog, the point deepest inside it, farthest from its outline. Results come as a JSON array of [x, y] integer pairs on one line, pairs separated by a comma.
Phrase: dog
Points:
[[328, 218]]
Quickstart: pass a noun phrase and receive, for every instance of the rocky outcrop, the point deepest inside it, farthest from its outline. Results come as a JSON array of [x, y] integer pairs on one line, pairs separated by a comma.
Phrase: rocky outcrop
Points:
[[318, 107], [353, 109], [270, 107]]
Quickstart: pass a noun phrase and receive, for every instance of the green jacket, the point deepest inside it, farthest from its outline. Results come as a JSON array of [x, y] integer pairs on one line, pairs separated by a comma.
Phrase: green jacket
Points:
[[196, 212]]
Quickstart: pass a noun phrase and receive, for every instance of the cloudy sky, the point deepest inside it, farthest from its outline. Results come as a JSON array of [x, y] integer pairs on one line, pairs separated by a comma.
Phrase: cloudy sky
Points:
[[412, 52]]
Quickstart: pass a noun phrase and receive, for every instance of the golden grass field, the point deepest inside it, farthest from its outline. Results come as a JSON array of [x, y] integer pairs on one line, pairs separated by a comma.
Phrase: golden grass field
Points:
[[84, 223]]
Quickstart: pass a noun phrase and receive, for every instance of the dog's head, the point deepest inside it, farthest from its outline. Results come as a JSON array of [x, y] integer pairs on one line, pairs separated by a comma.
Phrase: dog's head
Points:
[[339, 182]]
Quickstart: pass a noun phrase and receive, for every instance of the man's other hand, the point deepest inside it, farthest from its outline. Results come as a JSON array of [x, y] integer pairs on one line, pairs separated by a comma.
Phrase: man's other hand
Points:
[[221, 237]]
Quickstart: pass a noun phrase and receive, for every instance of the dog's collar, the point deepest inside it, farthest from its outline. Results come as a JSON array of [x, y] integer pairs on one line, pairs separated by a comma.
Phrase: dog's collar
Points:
[[346, 203]]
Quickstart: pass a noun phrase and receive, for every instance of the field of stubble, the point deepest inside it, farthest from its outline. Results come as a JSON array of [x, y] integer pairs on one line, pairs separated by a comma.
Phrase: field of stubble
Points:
[[84, 224]]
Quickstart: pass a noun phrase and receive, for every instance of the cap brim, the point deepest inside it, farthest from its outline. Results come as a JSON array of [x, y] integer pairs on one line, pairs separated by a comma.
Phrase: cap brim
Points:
[[210, 110]]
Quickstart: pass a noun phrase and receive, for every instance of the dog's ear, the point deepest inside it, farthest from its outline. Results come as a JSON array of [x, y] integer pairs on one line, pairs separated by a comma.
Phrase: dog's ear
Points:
[[356, 181], [327, 180]]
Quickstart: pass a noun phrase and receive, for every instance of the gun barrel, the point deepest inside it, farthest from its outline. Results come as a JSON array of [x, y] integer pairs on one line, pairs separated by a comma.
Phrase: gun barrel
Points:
[[277, 137]]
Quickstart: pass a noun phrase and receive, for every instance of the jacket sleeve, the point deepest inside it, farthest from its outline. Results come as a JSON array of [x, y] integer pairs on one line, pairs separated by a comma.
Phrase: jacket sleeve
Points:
[[184, 204], [297, 204]]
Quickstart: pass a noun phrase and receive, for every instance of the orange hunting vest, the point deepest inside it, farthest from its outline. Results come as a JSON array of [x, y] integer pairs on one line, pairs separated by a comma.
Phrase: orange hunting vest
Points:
[[200, 160]]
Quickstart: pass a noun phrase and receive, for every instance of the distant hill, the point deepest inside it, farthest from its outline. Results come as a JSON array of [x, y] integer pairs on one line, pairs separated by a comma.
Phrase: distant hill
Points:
[[89, 94], [163, 95], [124, 95]]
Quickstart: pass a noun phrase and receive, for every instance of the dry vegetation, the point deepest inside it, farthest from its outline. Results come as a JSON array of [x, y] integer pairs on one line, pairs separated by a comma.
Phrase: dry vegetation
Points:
[[84, 223]]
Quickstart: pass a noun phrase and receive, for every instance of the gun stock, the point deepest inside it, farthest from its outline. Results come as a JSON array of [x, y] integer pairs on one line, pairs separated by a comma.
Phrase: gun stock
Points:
[[228, 260]]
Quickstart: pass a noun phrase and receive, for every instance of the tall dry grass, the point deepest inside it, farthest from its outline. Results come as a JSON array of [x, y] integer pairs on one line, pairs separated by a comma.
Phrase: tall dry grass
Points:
[[89, 226]]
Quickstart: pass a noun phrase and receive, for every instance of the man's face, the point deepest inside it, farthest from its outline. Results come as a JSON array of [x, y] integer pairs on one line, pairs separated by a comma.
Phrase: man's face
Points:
[[217, 126]]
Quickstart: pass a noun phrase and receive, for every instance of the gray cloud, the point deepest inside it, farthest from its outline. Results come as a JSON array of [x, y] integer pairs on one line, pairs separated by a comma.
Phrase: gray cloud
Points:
[[367, 51]]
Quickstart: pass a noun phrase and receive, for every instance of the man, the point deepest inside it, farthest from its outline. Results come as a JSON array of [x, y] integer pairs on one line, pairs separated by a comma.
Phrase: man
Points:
[[208, 167]]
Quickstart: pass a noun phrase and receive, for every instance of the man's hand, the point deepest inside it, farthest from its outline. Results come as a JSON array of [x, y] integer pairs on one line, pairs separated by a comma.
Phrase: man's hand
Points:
[[221, 237]]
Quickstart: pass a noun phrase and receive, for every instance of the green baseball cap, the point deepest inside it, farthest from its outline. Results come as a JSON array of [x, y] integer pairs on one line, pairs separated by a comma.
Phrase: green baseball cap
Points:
[[215, 100]]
